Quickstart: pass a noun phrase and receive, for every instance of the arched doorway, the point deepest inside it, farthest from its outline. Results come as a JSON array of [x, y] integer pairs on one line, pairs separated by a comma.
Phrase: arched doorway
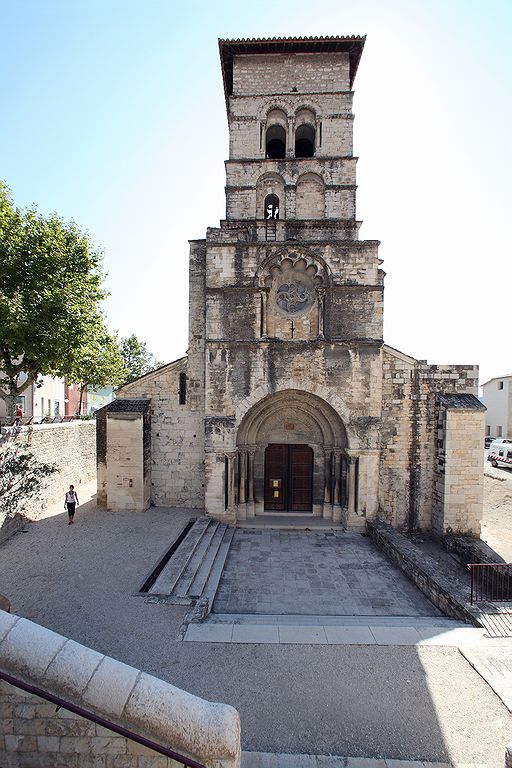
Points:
[[290, 447], [288, 478]]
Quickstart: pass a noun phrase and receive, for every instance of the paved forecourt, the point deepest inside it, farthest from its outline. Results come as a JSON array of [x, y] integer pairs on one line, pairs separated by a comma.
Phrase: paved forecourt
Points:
[[314, 572]]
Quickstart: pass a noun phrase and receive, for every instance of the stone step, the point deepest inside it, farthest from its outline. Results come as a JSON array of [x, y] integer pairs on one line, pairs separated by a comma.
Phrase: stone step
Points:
[[289, 521], [200, 581], [167, 580], [200, 555], [210, 589]]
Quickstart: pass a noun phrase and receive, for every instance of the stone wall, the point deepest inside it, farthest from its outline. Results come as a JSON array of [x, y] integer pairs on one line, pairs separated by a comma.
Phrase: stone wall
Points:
[[459, 471], [450, 594], [70, 446], [409, 434], [177, 437], [33, 734]]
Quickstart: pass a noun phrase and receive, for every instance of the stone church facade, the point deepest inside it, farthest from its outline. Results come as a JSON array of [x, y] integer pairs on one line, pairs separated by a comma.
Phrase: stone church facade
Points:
[[288, 400]]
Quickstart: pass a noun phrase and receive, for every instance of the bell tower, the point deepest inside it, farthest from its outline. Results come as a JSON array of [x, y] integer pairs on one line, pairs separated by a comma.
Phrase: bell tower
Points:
[[293, 297], [289, 106]]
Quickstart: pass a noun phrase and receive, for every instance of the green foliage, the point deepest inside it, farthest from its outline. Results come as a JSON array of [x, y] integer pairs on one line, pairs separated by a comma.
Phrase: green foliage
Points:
[[137, 359], [98, 363], [50, 294], [21, 476]]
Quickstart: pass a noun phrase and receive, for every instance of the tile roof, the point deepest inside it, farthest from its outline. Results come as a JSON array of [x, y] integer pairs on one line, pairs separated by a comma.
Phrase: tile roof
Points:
[[461, 400]]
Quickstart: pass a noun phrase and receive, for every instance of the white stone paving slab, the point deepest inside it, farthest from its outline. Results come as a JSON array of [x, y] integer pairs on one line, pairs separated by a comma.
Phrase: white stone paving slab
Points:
[[209, 633], [349, 636], [280, 631], [303, 635], [255, 634]]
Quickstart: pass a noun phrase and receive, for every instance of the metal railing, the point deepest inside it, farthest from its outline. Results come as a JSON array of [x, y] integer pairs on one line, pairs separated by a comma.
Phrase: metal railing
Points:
[[491, 582], [187, 762]]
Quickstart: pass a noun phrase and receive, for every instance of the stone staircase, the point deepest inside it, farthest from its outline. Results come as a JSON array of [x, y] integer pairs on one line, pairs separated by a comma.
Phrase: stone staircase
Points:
[[195, 568]]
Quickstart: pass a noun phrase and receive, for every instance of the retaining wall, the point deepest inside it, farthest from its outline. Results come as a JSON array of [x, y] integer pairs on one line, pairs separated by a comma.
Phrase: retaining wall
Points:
[[71, 446], [448, 594]]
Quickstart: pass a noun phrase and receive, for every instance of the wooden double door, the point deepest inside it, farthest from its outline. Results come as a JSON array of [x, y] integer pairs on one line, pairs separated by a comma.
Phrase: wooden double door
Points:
[[288, 478]]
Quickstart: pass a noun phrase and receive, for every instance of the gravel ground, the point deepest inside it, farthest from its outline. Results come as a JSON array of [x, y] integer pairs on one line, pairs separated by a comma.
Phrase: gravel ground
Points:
[[398, 702]]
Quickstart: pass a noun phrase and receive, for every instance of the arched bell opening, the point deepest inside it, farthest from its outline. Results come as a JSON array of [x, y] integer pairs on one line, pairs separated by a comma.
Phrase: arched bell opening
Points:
[[275, 142], [271, 208], [305, 141]]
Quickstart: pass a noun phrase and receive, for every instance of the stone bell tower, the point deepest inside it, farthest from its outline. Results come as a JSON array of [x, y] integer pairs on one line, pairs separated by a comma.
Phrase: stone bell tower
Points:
[[293, 298]]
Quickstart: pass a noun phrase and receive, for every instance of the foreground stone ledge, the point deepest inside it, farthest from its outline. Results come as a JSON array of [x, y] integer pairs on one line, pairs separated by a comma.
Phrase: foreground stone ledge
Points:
[[207, 732]]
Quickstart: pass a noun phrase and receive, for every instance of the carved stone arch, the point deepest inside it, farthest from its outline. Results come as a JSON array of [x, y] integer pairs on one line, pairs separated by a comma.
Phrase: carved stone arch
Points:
[[310, 196], [270, 184], [313, 265], [329, 412], [284, 105], [310, 106]]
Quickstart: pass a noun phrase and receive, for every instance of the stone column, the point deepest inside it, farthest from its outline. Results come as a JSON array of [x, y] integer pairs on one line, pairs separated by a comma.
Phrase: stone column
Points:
[[263, 324], [352, 485], [336, 508], [321, 305], [290, 149], [327, 510], [242, 480], [232, 457], [250, 476]]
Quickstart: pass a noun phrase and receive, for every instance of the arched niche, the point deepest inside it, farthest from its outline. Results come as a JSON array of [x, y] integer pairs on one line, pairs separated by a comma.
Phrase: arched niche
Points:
[[310, 197]]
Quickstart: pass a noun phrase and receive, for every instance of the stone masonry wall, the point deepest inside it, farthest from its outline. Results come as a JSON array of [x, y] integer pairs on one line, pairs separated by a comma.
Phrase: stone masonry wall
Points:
[[71, 446], [32, 734], [459, 474], [177, 438], [277, 73], [409, 434]]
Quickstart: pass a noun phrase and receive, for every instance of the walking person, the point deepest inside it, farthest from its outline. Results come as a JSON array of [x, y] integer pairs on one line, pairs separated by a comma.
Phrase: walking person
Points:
[[70, 503]]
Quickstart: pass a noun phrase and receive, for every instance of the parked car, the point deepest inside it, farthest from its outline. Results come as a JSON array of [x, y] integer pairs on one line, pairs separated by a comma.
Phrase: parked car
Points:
[[500, 453], [488, 441]]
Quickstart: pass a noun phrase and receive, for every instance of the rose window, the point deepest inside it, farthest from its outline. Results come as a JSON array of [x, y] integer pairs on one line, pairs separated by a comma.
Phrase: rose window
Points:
[[292, 297]]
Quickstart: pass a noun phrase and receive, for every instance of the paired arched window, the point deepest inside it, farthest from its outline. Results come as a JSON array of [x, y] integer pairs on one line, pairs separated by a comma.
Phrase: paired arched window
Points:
[[271, 207], [276, 129]]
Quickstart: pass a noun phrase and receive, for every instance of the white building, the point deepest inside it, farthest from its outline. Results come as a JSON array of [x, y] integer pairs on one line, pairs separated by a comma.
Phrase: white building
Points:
[[46, 399], [497, 396]]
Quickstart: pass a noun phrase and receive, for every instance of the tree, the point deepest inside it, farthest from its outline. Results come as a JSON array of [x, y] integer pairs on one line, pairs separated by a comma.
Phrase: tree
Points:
[[137, 359], [50, 293], [99, 363], [21, 476]]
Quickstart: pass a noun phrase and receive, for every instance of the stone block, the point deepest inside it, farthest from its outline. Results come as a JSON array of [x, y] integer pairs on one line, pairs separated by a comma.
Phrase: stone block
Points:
[[110, 686], [29, 648], [72, 668]]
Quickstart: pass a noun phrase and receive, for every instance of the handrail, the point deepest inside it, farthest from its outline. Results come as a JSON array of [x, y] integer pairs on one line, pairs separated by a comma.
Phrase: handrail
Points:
[[61, 703], [490, 582]]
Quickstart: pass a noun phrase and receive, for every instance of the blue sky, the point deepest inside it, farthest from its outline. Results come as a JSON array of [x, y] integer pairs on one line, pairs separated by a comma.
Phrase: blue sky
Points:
[[113, 114]]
